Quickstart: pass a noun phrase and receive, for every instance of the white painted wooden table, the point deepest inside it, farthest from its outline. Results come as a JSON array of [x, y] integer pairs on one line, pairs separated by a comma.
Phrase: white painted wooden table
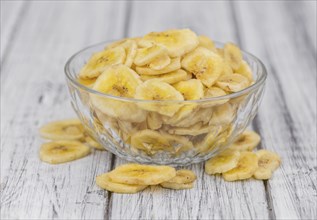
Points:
[[37, 38]]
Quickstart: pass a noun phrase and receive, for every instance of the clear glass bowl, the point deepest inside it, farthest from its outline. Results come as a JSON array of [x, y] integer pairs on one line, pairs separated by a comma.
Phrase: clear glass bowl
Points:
[[198, 131]]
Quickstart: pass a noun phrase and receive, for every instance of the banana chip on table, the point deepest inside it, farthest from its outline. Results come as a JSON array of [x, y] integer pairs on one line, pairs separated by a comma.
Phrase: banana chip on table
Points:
[[63, 151], [70, 129], [246, 167], [247, 141], [101, 60], [105, 182], [184, 179], [206, 65], [268, 162], [225, 161], [142, 174]]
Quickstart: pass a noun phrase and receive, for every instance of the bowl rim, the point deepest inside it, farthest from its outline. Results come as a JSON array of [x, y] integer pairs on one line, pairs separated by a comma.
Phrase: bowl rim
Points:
[[260, 81]]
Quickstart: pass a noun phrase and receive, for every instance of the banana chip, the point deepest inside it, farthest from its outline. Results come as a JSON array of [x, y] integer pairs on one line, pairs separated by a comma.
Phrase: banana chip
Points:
[[105, 182], [142, 174], [247, 141], [268, 162], [232, 55], [223, 162], [70, 129], [63, 151], [246, 167]]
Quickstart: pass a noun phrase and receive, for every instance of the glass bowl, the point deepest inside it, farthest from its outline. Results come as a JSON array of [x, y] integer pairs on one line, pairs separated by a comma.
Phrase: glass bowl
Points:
[[199, 129]]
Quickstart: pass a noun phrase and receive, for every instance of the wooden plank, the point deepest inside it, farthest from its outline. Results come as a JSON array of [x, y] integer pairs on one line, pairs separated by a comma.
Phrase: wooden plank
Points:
[[212, 198], [11, 13], [33, 92], [287, 120]]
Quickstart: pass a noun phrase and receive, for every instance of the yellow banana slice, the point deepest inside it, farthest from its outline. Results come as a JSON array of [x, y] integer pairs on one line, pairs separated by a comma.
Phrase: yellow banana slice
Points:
[[154, 120], [142, 174], [150, 141], [191, 89], [160, 62], [174, 65], [102, 60], [232, 55], [130, 47], [215, 135], [177, 42], [194, 130], [183, 176], [206, 42], [222, 114], [71, 129], [245, 70], [154, 89], [120, 81], [106, 183], [247, 141], [197, 115], [87, 82], [63, 151], [247, 165], [147, 55], [93, 143], [179, 143], [268, 162], [204, 64], [213, 92], [232, 82], [223, 162], [170, 78], [177, 186]]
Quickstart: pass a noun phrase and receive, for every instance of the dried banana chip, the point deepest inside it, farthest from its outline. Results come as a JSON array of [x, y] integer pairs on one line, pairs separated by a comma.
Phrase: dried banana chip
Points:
[[246, 167], [223, 162], [71, 129], [142, 174], [268, 162], [105, 182], [63, 151], [247, 141]]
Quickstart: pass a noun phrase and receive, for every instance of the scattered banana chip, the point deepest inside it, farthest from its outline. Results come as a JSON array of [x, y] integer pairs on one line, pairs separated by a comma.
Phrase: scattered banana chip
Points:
[[70, 129], [105, 182], [63, 151], [206, 65], [247, 141], [183, 176], [246, 167], [223, 162], [93, 143], [177, 186], [268, 162], [142, 174]]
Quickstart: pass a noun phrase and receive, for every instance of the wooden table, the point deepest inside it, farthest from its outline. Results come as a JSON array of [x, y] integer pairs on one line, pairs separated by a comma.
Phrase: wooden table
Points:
[[37, 37]]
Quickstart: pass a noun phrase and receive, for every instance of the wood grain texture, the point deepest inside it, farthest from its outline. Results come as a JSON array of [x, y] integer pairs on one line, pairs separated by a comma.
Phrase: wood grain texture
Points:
[[37, 38], [33, 93]]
